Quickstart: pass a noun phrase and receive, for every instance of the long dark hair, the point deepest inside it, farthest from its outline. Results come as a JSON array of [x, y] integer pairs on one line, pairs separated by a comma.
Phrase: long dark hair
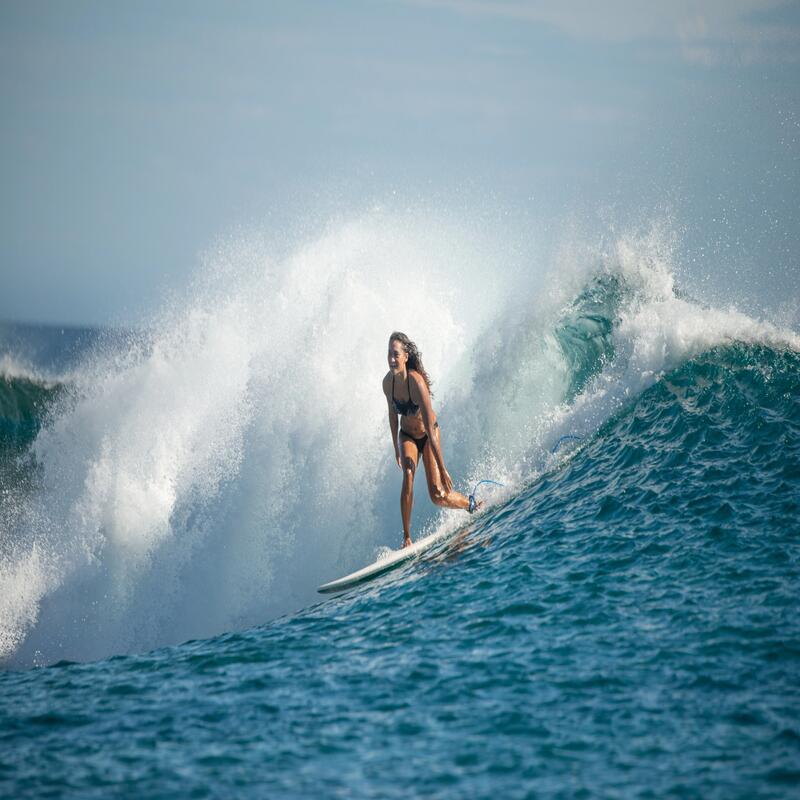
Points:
[[414, 356]]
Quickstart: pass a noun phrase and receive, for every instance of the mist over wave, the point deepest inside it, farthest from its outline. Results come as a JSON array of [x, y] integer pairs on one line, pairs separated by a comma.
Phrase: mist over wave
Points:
[[209, 474]]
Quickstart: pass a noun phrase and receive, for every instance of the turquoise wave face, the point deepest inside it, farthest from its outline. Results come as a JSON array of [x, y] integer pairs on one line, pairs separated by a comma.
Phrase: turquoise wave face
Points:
[[585, 333], [726, 421], [24, 404], [624, 626]]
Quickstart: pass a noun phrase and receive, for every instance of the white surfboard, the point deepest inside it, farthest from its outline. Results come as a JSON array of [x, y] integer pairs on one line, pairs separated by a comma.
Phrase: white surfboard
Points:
[[393, 559]]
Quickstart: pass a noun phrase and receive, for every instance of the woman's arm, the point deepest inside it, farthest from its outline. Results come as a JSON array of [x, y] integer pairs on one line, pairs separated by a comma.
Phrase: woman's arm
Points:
[[431, 426], [393, 423]]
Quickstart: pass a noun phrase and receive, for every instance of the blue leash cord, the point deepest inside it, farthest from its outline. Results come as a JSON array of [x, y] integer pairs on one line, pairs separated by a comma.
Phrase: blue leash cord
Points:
[[473, 503], [563, 439], [495, 483]]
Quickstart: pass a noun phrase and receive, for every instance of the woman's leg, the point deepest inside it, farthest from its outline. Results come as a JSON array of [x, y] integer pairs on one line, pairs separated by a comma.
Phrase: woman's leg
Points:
[[409, 454], [453, 499]]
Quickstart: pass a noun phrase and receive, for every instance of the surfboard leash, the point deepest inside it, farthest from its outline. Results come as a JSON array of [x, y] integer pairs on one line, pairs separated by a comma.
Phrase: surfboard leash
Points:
[[473, 503], [564, 438]]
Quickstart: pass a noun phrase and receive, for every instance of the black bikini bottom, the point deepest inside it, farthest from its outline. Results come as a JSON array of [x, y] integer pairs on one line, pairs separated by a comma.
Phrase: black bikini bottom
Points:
[[420, 443]]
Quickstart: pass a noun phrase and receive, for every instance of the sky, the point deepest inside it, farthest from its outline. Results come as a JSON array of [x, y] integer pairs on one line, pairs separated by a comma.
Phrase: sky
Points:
[[133, 135]]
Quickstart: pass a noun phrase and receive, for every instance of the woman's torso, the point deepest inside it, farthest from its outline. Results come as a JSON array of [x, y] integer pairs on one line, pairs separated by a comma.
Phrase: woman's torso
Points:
[[402, 396]]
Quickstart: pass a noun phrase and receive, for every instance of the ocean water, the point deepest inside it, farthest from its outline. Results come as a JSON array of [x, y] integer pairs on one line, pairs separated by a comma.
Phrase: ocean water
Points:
[[621, 621]]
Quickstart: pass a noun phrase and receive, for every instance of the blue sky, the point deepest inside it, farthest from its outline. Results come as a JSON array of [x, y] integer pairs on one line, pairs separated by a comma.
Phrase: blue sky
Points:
[[133, 134]]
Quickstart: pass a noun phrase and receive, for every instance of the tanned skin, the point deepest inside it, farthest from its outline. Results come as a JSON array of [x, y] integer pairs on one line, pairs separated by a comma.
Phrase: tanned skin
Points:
[[410, 384]]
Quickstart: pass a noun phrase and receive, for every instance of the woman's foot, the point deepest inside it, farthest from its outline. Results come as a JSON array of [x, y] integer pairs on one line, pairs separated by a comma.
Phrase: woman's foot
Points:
[[474, 504], [407, 542]]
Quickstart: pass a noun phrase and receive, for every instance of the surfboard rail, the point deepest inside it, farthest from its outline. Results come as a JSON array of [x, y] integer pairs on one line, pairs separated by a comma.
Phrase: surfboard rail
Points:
[[385, 564]]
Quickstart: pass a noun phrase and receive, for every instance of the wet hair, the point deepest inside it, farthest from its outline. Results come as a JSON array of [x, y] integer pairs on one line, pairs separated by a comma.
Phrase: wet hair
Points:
[[414, 356]]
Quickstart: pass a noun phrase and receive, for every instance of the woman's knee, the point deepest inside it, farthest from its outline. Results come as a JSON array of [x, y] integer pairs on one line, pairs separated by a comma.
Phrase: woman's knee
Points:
[[438, 496]]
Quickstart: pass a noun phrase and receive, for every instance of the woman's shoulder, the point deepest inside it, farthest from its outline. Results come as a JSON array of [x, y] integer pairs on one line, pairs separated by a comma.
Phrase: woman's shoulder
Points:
[[415, 376]]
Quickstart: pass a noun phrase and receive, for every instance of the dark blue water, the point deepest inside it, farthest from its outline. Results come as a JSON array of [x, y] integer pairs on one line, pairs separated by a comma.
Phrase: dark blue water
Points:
[[624, 624]]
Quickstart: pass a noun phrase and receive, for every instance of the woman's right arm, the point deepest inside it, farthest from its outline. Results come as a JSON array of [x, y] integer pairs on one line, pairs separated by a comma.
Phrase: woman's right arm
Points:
[[393, 425]]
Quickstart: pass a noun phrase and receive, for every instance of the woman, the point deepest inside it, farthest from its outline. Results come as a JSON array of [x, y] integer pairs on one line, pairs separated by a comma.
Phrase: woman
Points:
[[408, 394]]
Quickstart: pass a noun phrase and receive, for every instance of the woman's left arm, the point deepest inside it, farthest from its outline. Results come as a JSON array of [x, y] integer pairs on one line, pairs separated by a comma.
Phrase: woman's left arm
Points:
[[431, 426]]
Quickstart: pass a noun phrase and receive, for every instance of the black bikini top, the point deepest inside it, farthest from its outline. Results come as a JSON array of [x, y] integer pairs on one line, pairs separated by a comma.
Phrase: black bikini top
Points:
[[407, 408]]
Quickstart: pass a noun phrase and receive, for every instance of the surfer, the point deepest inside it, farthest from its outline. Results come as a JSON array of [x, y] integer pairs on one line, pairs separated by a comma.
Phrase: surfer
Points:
[[408, 394]]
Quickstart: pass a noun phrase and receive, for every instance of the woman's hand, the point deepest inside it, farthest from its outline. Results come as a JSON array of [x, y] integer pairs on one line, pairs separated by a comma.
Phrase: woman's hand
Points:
[[447, 481], [397, 459]]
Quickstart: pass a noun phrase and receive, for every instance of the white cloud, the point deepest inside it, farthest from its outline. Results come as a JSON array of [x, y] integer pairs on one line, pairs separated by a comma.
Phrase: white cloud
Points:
[[701, 30]]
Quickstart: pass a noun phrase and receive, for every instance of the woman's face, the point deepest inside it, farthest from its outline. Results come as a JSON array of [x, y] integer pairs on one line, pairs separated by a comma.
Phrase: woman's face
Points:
[[397, 356]]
